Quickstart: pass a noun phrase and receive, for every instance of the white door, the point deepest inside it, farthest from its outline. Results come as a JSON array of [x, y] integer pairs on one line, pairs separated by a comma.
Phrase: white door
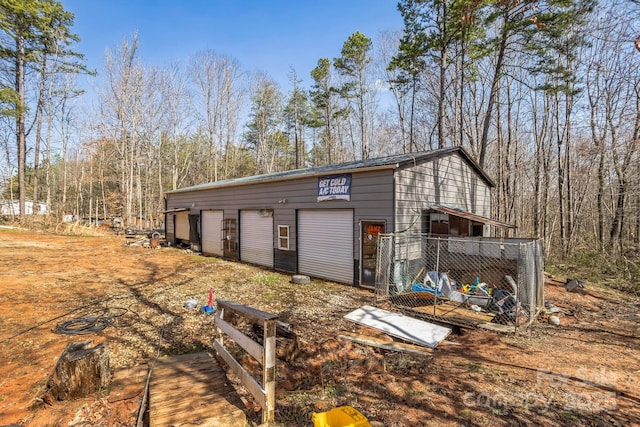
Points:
[[256, 237], [182, 225], [212, 232], [325, 244]]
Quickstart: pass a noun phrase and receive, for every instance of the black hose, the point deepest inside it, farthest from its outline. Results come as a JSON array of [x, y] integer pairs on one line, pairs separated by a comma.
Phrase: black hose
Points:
[[83, 325]]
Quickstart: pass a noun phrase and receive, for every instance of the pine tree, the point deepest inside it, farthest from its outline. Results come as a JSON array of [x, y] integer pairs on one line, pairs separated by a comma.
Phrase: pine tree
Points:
[[352, 65], [32, 31]]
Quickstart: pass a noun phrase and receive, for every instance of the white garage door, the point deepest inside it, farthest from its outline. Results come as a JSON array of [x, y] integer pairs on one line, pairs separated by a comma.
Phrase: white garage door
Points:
[[182, 225], [325, 244], [256, 237], [211, 232]]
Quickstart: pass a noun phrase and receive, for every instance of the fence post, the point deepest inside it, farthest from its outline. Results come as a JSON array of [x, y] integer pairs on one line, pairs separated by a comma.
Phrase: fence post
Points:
[[269, 374], [435, 293]]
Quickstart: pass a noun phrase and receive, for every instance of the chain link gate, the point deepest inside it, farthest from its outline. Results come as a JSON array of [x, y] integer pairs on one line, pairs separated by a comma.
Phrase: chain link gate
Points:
[[468, 282]]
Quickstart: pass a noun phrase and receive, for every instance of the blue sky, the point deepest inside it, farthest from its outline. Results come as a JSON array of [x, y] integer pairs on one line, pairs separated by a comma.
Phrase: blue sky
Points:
[[269, 35]]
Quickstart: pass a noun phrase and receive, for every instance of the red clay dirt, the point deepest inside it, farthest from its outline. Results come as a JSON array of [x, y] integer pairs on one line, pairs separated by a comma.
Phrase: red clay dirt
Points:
[[581, 372]]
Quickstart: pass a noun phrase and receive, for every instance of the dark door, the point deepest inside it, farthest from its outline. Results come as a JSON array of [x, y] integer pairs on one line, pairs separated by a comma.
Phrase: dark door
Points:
[[369, 242], [194, 234]]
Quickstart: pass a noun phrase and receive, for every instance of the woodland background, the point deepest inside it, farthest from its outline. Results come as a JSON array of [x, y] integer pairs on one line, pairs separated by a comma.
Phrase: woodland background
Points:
[[544, 95]]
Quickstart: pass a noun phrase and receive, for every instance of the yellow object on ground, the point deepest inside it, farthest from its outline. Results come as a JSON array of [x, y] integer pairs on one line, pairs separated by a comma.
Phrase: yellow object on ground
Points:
[[343, 416]]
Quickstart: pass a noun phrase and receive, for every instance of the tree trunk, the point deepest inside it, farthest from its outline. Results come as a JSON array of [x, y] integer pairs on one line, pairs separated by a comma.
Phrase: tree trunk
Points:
[[600, 197], [36, 154], [495, 84], [441, 96], [81, 371], [20, 128]]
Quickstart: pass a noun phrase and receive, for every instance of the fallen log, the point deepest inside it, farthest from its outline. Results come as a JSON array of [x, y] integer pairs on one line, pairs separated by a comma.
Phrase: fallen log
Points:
[[81, 370]]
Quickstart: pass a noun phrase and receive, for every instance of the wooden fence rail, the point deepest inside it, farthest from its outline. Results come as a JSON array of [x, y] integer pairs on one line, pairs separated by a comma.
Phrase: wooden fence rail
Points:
[[265, 354]]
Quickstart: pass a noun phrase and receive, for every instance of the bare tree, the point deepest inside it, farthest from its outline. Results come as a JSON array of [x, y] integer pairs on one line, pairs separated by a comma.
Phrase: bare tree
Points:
[[121, 116], [218, 93]]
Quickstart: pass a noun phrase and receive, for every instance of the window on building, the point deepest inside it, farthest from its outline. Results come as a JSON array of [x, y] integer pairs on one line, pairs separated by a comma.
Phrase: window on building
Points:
[[230, 235], [283, 237]]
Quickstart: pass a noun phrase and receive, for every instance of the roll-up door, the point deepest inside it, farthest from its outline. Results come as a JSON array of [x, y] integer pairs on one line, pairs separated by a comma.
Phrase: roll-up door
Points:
[[325, 244], [212, 232], [256, 237], [182, 225]]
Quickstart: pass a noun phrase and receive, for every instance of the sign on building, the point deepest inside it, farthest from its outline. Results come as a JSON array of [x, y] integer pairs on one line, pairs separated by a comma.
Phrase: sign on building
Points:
[[334, 187]]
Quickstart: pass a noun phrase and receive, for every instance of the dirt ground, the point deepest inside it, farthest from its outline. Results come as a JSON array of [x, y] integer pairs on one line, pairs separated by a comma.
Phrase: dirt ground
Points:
[[581, 372]]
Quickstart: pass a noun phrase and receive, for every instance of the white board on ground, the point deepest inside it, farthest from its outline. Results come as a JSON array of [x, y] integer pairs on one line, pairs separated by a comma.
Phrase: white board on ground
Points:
[[400, 326]]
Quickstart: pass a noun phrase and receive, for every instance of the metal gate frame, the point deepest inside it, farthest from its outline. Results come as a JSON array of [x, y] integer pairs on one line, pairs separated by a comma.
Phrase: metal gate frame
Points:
[[463, 280]]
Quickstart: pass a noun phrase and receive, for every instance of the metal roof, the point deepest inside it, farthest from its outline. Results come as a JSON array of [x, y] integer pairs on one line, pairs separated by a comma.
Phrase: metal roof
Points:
[[473, 217], [389, 162]]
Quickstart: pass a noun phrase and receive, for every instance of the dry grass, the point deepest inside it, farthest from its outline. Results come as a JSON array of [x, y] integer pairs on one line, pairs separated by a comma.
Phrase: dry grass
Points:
[[486, 380]]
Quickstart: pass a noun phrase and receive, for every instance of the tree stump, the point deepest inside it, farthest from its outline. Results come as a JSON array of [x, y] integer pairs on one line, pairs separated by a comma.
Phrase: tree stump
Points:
[[80, 371]]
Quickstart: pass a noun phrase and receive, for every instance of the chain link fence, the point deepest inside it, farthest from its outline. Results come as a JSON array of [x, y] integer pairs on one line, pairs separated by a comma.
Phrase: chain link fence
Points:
[[469, 282]]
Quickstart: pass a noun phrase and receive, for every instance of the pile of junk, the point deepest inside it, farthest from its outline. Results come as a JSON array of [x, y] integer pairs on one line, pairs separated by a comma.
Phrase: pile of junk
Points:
[[478, 297]]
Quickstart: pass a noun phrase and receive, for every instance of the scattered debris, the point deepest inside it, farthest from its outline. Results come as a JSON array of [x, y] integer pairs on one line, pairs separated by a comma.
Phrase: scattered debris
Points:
[[191, 303], [550, 308], [574, 285], [384, 344], [400, 326]]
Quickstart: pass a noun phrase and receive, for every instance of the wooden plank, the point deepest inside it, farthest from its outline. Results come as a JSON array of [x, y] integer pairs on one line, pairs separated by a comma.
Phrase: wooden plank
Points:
[[247, 380], [456, 311], [168, 380], [196, 391], [496, 327], [400, 326], [247, 312], [251, 347], [384, 344], [198, 407], [264, 354], [211, 393], [223, 420], [184, 358], [202, 365], [202, 369], [192, 390]]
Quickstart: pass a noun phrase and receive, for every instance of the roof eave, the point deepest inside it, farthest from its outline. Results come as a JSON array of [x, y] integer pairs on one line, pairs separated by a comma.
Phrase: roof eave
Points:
[[305, 174]]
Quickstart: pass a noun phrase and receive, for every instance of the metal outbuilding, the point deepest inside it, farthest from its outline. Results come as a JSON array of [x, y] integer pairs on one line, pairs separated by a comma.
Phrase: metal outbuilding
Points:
[[324, 221]]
